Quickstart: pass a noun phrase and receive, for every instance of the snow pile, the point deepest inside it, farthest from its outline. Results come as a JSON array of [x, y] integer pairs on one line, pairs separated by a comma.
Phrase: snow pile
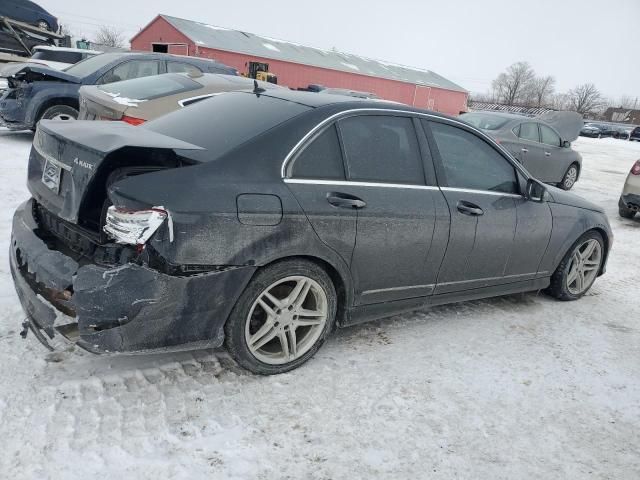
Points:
[[515, 387]]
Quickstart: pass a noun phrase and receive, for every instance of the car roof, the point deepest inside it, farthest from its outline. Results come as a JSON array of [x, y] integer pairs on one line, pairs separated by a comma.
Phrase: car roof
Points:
[[66, 49], [509, 115]]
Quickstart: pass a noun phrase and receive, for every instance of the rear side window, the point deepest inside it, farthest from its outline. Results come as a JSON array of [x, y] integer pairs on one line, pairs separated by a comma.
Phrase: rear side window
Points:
[[548, 136], [382, 148], [321, 159], [529, 131], [177, 67], [470, 162]]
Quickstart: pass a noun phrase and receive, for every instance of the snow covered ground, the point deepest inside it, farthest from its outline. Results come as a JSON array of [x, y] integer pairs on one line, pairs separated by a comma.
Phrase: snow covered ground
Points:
[[516, 387]]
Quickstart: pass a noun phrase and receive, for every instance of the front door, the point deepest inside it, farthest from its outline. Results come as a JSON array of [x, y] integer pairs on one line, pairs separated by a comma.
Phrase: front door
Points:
[[481, 188]]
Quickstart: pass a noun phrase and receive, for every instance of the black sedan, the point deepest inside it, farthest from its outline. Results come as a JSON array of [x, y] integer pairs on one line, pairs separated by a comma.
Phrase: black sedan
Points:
[[262, 220]]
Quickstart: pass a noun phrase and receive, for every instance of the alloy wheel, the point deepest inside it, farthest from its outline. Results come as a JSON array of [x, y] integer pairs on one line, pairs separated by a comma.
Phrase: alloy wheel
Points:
[[571, 177], [584, 266], [63, 116], [286, 320]]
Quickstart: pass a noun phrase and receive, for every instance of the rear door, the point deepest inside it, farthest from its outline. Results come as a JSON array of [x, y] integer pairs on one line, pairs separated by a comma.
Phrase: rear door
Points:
[[403, 220], [555, 157]]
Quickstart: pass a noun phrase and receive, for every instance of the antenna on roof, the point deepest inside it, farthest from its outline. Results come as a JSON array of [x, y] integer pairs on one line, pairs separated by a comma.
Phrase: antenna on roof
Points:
[[257, 89]]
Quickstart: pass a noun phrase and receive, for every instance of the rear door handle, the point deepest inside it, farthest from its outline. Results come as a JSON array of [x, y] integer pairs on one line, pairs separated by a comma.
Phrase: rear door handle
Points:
[[344, 200], [524, 150], [547, 154], [469, 208]]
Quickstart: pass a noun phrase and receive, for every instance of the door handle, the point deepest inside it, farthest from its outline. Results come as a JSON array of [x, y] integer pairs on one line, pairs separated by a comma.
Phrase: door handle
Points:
[[524, 150], [468, 208], [343, 200], [547, 154]]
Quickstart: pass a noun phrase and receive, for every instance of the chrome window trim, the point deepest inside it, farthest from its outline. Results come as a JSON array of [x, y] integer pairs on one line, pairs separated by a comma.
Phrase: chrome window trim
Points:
[[311, 181], [335, 116], [486, 192]]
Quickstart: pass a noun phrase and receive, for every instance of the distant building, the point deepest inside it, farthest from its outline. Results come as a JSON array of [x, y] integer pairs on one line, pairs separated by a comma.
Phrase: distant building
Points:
[[298, 66], [622, 115]]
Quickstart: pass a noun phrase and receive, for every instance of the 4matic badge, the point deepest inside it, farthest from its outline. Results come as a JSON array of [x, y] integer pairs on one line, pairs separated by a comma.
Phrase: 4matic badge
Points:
[[83, 164]]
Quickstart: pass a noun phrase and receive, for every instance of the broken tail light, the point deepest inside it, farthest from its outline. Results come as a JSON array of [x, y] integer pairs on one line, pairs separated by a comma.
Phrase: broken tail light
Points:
[[132, 120], [635, 170], [134, 227]]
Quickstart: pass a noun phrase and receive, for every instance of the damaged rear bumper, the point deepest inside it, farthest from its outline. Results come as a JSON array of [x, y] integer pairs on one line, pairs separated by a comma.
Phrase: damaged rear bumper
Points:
[[127, 308]]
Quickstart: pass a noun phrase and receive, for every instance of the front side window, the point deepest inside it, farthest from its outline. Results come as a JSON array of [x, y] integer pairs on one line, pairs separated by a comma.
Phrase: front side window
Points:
[[132, 69], [548, 136], [529, 131], [380, 148], [321, 159], [470, 162]]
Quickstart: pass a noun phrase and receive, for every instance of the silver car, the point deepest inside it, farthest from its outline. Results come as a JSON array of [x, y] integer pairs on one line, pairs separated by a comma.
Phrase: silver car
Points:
[[629, 203], [536, 143]]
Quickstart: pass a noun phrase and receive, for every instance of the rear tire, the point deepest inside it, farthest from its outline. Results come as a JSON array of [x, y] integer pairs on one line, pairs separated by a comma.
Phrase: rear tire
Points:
[[624, 211], [44, 25], [570, 177], [563, 279], [60, 112], [269, 290]]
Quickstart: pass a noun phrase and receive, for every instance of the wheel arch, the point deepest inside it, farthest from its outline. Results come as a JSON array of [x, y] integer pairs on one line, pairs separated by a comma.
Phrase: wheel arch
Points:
[[340, 277]]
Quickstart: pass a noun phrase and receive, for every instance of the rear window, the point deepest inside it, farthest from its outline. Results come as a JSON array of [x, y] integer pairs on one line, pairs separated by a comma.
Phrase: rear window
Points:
[[484, 121], [92, 64], [148, 88], [57, 56], [224, 122]]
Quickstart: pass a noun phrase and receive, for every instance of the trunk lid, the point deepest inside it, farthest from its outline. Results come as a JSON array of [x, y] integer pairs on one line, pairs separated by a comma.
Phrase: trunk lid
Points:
[[67, 156], [97, 105], [568, 124]]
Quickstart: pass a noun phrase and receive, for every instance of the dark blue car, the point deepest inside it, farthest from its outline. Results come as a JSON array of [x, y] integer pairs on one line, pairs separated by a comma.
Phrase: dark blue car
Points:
[[37, 93], [28, 12]]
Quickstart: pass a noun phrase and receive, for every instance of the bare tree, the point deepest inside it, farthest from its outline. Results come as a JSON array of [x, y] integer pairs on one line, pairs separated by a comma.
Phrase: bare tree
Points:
[[585, 99], [626, 101], [541, 90], [110, 37], [510, 86]]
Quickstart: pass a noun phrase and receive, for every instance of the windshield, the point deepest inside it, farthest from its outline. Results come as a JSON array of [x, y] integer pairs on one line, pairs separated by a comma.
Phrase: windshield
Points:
[[148, 88], [484, 121], [224, 122], [57, 56], [92, 64]]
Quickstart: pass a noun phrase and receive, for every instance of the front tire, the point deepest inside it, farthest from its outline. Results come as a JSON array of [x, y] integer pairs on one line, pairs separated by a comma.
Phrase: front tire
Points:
[[282, 318], [44, 25], [60, 112], [579, 268], [570, 177], [624, 211]]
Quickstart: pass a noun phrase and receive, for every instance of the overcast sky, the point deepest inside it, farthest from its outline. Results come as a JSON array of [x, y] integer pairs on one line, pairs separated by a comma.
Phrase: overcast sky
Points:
[[467, 41]]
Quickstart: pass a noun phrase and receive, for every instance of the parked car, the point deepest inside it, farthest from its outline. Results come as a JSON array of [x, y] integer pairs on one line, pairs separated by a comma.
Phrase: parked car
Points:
[[28, 12], [597, 130], [141, 99], [634, 136], [535, 144], [629, 203], [622, 133], [39, 92], [262, 220], [57, 58], [350, 93]]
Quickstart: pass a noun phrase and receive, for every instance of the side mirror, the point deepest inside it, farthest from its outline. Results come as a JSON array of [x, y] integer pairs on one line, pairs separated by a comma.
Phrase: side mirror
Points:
[[566, 144], [535, 190]]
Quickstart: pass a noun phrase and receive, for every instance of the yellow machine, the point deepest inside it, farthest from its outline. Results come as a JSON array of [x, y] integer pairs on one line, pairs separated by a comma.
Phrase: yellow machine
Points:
[[260, 71]]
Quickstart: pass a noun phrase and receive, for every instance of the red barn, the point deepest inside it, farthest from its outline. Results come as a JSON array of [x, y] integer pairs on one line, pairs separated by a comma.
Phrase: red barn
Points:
[[298, 66]]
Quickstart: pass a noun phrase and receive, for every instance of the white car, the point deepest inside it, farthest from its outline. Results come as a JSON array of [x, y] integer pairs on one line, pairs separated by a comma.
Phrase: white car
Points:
[[629, 203]]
